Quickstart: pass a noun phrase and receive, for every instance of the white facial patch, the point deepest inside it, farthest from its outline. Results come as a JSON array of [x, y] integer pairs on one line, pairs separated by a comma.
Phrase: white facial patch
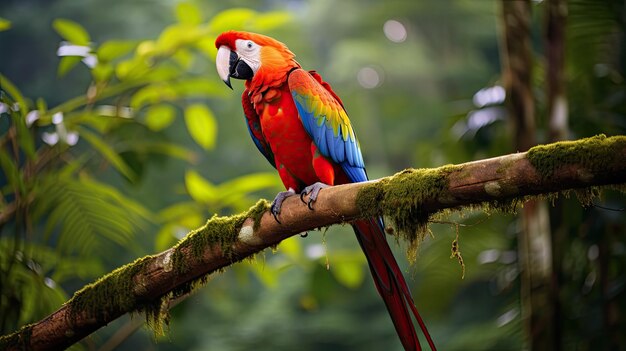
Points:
[[250, 53]]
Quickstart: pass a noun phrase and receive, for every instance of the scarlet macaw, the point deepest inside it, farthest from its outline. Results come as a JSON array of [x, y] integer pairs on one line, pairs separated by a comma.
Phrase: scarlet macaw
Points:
[[300, 125]]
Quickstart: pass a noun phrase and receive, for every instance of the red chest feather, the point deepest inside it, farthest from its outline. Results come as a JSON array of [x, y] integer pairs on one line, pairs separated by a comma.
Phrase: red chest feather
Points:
[[283, 131]]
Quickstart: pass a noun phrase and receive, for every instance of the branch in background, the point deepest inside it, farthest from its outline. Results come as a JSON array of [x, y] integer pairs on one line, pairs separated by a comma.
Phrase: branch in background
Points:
[[408, 198], [558, 129], [534, 244]]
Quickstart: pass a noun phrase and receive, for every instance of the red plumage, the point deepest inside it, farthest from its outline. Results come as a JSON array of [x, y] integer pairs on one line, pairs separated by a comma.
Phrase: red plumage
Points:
[[310, 140]]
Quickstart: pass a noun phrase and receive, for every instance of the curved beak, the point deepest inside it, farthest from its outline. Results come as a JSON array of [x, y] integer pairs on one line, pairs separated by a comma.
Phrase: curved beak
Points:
[[222, 62], [229, 64]]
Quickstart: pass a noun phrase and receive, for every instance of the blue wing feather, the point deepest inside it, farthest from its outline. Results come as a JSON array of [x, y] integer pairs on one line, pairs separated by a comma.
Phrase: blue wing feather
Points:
[[326, 121], [264, 148]]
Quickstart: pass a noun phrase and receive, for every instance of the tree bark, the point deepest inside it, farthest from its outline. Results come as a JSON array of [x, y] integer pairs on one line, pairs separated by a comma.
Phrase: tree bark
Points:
[[543, 170], [558, 129], [516, 57], [534, 238]]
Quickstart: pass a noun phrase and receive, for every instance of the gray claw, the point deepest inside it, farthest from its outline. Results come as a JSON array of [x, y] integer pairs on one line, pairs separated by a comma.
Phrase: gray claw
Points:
[[278, 203], [312, 190]]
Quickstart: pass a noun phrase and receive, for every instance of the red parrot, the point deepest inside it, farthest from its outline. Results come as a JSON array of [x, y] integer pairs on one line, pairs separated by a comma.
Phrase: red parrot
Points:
[[300, 125]]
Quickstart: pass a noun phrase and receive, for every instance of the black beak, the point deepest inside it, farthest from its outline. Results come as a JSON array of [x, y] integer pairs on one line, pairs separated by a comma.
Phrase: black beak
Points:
[[227, 82], [229, 64], [238, 68]]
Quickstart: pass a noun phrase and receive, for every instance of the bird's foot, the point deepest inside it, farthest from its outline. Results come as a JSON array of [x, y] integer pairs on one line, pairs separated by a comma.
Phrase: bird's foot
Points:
[[278, 202], [312, 190]]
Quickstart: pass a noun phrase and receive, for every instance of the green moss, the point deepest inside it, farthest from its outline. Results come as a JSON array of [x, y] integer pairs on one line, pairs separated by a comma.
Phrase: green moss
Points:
[[113, 292], [157, 315], [219, 232], [257, 211], [400, 197], [597, 153]]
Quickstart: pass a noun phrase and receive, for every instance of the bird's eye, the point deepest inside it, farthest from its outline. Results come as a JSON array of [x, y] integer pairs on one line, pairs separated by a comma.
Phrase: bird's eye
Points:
[[249, 45]]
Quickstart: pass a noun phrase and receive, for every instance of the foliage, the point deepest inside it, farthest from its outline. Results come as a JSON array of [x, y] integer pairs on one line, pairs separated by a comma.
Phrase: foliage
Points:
[[129, 105], [55, 199]]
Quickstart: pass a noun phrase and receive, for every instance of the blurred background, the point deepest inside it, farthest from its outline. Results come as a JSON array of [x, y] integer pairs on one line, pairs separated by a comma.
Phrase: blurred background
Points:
[[117, 138]]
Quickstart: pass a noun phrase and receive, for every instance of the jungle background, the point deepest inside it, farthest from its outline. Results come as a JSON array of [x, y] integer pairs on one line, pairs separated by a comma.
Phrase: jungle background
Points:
[[117, 138]]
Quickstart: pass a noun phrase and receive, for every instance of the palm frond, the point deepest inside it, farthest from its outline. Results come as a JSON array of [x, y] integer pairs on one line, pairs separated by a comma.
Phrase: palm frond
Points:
[[80, 213]]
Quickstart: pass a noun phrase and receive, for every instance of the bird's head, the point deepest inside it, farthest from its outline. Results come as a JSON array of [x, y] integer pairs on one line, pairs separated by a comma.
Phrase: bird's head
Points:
[[245, 55]]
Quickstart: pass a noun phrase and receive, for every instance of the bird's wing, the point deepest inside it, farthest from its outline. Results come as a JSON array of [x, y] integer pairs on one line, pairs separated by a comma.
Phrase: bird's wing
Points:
[[254, 127], [324, 118]]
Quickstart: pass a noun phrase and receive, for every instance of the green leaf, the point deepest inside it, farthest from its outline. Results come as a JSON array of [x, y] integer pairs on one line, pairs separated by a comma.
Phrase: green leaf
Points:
[[175, 36], [131, 206], [66, 64], [110, 50], [42, 106], [102, 71], [165, 238], [108, 153], [183, 57], [132, 68], [71, 31], [160, 116], [33, 282], [24, 136], [349, 273], [201, 125], [199, 87], [188, 13], [103, 119], [176, 211], [270, 20], [234, 191], [206, 46], [152, 94], [86, 211], [4, 24], [291, 247], [266, 274], [249, 183], [15, 93], [199, 188], [231, 19], [11, 172], [85, 268], [169, 149]]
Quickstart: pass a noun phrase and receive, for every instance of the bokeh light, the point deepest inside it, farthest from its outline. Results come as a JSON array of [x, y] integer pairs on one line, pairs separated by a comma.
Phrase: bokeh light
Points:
[[395, 31], [369, 77]]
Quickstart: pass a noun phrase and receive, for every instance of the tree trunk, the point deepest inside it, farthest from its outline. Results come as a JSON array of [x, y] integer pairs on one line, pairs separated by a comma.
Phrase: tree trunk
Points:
[[558, 129], [534, 240]]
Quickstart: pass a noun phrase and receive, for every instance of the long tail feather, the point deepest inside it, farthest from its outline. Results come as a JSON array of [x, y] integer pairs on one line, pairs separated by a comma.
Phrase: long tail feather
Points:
[[390, 283]]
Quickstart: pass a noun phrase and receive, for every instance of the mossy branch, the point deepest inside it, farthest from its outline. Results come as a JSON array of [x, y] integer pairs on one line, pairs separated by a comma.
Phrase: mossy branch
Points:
[[408, 199]]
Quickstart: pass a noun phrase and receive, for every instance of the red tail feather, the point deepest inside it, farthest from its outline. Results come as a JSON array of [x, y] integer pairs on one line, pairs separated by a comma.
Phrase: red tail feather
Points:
[[390, 283]]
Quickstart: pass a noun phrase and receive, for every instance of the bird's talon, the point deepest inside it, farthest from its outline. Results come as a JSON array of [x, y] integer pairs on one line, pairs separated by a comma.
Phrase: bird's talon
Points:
[[278, 203], [304, 235], [312, 190], [275, 210]]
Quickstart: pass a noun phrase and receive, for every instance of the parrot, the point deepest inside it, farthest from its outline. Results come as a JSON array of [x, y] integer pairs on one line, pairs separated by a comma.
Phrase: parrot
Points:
[[300, 125]]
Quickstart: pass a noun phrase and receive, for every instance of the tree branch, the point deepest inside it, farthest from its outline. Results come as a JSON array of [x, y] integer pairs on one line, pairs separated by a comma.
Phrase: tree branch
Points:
[[408, 198]]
